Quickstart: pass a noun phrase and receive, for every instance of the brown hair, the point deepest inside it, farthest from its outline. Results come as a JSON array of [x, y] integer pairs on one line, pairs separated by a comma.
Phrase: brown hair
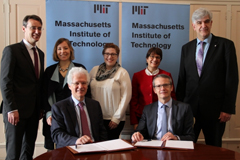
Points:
[[111, 45], [59, 41]]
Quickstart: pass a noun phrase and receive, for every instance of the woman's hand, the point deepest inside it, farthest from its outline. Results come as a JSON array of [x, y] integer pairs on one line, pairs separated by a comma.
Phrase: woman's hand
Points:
[[112, 125]]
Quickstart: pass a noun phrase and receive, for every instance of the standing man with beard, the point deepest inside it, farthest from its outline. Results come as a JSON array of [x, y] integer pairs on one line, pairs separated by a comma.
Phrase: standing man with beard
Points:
[[22, 68], [208, 79]]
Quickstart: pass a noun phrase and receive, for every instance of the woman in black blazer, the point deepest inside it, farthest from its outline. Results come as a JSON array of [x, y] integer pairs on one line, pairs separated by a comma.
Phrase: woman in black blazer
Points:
[[55, 83]]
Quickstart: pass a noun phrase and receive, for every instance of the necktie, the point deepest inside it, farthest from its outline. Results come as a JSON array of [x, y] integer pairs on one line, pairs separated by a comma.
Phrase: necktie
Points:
[[164, 121], [35, 62], [199, 59], [84, 122]]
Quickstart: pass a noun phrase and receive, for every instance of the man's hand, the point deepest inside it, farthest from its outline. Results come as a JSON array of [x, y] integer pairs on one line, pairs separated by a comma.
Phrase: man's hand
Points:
[[135, 126], [83, 140], [169, 136], [224, 117], [13, 117], [112, 125], [49, 120], [137, 136]]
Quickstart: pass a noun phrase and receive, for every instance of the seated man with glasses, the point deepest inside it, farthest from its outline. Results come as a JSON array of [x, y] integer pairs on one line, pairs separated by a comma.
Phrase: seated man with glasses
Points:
[[166, 119], [77, 119]]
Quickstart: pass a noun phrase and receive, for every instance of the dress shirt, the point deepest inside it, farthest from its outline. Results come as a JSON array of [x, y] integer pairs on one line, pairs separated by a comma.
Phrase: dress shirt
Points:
[[158, 131], [79, 118], [153, 73], [205, 46], [31, 53]]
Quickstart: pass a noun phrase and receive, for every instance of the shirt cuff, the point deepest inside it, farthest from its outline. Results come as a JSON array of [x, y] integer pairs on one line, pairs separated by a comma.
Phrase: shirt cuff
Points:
[[48, 114], [12, 111], [178, 138]]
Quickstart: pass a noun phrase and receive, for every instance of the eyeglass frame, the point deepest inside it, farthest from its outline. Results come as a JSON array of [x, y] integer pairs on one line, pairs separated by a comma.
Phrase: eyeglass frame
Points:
[[162, 85], [111, 54]]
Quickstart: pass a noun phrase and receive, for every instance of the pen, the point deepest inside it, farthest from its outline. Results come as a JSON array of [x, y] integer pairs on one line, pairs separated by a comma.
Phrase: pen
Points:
[[75, 146]]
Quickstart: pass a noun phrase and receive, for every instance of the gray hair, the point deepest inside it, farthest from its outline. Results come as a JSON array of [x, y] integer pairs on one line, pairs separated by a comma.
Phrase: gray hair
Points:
[[200, 13], [162, 76], [77, 70]]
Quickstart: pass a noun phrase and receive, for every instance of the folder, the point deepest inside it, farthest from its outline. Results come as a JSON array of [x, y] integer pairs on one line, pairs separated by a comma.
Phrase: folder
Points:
[[171, 144], [106, 146]]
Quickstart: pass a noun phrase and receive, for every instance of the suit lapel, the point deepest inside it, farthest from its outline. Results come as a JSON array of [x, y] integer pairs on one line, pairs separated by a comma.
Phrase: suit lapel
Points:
[[27, 56], [210, 53], [89, 109], [72, 114], [41, 56], [174, 114], [153, 119], [192, 55]]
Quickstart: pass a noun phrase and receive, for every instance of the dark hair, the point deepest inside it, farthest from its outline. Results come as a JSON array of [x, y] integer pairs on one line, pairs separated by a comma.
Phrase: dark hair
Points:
[[156, 50], [59, 41], [111, 45], [27, 17], [162, 76]]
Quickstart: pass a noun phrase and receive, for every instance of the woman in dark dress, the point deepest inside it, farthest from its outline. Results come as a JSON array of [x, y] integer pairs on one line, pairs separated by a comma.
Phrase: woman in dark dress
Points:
[[55, 83]]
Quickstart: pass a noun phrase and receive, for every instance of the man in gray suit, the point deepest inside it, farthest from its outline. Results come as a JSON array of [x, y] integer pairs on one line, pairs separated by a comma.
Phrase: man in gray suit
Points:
[[165, 119], [22, 68], [77, 119]]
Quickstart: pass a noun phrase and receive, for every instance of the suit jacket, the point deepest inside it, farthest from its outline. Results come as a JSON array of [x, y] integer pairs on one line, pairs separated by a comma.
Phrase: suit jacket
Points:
[[143, 94], [65, 129], [21, 90], [49, 88], [216, 89], [182, 121]]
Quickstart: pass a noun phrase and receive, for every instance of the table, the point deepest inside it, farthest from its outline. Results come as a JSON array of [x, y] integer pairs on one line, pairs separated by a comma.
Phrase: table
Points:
[[200, 152]]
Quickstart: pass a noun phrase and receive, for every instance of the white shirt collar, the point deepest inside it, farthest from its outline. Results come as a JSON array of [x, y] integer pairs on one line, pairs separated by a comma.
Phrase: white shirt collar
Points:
[[153, 73]]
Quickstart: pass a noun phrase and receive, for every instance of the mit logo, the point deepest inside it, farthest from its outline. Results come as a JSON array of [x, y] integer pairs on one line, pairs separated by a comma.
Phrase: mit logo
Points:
[[101, 8], [139, 9]]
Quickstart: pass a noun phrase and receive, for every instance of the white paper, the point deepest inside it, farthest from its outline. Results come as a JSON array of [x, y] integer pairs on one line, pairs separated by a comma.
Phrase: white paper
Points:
[[88, 148], [179, 144], [110, 145], [152, 143], [116, 144]]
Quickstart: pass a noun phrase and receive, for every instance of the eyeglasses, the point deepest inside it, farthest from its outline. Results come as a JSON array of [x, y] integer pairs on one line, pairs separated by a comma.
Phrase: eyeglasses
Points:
[[157, 57], [78, 83], [33, 28], [110, 54], [162, 85]]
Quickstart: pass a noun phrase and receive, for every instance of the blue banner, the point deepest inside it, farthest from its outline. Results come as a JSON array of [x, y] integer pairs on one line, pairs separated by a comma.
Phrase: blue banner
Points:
[[147, 25], [88, 25]]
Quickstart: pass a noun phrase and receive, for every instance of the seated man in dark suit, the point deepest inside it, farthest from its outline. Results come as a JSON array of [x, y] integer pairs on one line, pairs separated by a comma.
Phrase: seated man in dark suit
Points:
[[77, 119], [165, 119]]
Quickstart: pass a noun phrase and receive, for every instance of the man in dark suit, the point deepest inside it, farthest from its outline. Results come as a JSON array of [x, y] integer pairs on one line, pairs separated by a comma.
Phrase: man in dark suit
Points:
[[208, 79], [165, 119], [22, 68], [69, 126]]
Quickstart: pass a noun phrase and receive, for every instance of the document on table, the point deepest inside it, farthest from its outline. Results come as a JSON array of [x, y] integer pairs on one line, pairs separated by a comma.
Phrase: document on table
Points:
[[179, 144], [106, 146], [174, 144], [149, 143]]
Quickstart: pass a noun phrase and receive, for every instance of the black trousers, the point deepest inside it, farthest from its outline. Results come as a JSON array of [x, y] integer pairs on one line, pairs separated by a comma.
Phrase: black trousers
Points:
[[20, 139], [48, 142], [213, 130], [113, 133]]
